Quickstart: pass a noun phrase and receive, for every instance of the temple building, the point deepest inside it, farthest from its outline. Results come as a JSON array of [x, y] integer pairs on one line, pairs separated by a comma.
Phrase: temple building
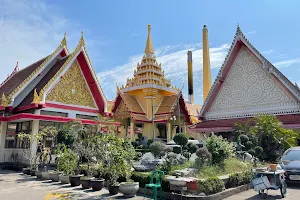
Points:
[[58, 88], [149, 104], [246, 86]]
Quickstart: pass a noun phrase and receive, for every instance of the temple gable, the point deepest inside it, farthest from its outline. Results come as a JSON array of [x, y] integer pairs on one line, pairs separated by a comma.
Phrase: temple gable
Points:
[[72, 89], [248, 90], [122, 111]]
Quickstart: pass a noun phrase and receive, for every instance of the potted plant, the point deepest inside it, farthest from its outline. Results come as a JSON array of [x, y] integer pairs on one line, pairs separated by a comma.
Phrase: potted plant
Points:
[[113, 185], [67, 162], [128, 188], [98, 182], [34, 138]]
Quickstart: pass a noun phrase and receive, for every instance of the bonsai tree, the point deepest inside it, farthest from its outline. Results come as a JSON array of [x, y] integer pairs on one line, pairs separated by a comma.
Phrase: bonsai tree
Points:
[[157, 149], [181, 139], [204, 157]]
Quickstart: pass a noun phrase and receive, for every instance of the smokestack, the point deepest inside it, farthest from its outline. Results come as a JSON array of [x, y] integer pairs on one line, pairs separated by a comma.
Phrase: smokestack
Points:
[[206, 64], [190, 78]]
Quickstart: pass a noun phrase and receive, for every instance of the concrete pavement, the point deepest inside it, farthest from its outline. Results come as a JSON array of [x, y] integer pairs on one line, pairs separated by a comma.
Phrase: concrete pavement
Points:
[[293, 193], [16, 186]]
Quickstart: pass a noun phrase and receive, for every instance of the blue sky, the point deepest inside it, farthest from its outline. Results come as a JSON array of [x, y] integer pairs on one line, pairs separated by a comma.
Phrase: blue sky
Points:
[[115, 33]]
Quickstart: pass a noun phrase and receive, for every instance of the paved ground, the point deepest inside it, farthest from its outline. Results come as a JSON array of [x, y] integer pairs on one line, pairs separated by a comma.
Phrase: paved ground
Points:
[[293, 193], [16, 186]]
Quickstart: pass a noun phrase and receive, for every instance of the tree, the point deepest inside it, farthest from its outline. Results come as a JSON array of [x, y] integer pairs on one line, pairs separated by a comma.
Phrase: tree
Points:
[[181, 139], [157, 149], [272, 137], [219, 148]]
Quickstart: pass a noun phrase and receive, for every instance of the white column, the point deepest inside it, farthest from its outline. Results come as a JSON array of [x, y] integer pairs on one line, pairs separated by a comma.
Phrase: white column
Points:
[[169, 132], [34, 130], [3, 129], [131, 130]]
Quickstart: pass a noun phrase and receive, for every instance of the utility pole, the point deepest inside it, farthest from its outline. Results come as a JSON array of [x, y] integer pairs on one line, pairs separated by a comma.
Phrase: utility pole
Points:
[[179, 110], [178, 106]]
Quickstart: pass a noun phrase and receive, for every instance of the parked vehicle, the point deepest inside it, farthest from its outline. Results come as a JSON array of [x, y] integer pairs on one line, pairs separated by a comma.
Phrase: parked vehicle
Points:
[[290, 162]]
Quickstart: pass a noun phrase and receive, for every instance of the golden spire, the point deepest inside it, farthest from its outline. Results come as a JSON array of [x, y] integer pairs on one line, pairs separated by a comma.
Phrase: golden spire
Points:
[[149, 47]]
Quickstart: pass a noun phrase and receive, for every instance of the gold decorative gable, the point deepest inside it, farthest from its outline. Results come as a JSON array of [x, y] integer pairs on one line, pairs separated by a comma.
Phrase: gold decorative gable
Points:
[[72, 89]]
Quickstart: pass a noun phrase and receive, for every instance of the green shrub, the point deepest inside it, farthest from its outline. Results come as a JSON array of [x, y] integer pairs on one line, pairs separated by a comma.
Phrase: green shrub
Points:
[[149, 142], [140, 135], [157, 149], [181, 139], [192, 148], [239, 179], [244, 138], [219, 148], [65, 136], [177, 150], [204, 157], [210, 186], [191, 138]]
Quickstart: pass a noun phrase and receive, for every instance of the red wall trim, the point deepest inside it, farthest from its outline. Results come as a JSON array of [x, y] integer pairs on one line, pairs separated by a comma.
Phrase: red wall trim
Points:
[[49, 118], [27, 107], [53, 105]]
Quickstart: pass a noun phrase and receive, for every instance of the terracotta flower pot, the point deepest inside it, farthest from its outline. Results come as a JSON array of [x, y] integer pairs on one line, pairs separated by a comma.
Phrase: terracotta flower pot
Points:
[[129, 189], [97, 184], [64, 179]]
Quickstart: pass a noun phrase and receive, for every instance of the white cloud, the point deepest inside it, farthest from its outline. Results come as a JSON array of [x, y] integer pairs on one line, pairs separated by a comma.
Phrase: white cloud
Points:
[[267, 52], [28, 32], [286, 63], [31, 30], [174, 63]]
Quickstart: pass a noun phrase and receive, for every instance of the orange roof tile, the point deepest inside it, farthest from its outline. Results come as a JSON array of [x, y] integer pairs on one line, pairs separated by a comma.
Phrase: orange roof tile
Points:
[[167, 105], [132, 103]]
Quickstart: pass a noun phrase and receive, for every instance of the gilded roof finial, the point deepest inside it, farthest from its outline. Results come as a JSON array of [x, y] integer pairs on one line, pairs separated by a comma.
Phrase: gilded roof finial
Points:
[[36, 97], [81, 34], [149, 47], [4, 101]]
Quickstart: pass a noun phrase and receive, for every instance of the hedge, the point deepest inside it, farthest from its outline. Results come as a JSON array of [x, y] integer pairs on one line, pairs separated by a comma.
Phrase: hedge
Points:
[[239, 179], [210, 186]]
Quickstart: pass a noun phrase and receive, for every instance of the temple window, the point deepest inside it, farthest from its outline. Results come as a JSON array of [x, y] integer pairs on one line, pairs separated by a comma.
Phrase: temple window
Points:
[[13, 129], [52, 113], [138, 128], [49, 141], [79, 116]]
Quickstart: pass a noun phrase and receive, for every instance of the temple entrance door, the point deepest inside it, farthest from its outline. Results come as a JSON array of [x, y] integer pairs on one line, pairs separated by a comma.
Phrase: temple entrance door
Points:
[[162, 128]]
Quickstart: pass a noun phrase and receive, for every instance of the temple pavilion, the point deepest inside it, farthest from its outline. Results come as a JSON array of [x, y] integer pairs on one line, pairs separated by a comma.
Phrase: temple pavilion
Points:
[[149, 104], [56, 89], [246, 86]]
